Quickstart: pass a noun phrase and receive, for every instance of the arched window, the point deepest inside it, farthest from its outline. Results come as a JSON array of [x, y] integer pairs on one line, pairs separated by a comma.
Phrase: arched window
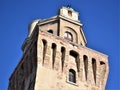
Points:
[[68, 36], [50, 31], [72, 76]]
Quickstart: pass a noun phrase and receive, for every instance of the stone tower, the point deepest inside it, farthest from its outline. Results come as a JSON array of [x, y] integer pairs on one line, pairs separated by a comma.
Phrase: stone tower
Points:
[[55, 57]]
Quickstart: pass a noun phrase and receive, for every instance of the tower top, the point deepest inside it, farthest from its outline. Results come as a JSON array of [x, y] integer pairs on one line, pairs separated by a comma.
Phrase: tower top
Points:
[[69, 12]]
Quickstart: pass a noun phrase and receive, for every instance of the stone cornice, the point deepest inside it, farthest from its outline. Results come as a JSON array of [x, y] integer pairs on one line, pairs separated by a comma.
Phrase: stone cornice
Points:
[[44, 21]]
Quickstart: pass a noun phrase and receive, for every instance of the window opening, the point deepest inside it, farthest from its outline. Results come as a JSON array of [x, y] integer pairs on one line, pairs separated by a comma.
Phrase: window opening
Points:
[[62, 56], [72, 76], [69, 13], [85, 58], [53, 54], [102, 63], [68, 36], [44, 49], [94, 68], [76, 56], [102, 70], [50, 31]]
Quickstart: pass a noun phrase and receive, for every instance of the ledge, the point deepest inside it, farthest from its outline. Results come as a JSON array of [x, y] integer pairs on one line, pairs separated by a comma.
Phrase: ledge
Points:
[[75, 84]]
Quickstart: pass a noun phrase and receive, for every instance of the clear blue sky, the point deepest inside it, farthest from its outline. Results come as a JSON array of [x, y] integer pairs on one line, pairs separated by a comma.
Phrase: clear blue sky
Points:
[[100, 25]]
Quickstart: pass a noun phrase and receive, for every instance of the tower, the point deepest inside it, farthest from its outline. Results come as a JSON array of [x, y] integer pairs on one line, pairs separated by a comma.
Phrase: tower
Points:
[[55, 57]]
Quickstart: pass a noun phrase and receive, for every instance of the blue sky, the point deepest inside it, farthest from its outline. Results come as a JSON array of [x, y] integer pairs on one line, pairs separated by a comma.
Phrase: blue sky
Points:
[[100, 26]]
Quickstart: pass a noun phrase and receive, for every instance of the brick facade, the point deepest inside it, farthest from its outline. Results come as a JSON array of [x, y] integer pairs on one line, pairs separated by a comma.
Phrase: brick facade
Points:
[[56, 57]]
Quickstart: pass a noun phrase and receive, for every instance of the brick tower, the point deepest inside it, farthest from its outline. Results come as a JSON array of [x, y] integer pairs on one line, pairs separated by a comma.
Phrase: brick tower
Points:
[[55, 57]]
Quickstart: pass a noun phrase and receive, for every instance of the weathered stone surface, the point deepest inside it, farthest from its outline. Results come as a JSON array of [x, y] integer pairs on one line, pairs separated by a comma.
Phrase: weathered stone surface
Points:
[[50, 61]]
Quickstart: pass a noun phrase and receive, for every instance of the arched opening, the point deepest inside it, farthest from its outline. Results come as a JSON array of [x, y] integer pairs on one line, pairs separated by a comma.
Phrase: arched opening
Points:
[[53, 54], [85, 60], [102, 70], [94, 68], [44, 49], [68, 36], [102, 63], [72, 76], [62, 56], [76, 56], [50, 31], [70, 32]]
